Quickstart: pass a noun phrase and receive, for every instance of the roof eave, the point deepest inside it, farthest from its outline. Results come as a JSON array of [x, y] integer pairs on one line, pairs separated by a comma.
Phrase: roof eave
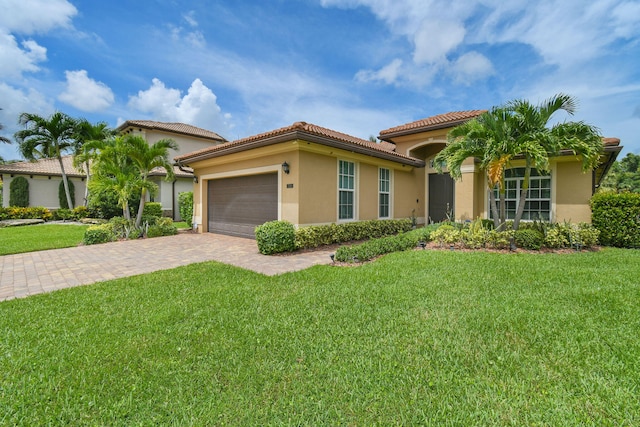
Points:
[[388, 136], [302, 135]]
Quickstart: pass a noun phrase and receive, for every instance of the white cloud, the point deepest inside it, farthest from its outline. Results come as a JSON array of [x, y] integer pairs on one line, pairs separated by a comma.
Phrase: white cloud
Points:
[[388, 74], [435, 39], [15, 60], [84, 93], [190, 18], [472, 66], [33, 16], [198, 107]]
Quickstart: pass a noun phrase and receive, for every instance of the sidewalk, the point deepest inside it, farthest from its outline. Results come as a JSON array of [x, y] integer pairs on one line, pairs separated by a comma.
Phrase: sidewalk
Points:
[[37, 272]]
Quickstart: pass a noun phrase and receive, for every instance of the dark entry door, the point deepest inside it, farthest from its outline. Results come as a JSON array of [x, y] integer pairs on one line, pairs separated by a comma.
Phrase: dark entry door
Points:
[[441, 192], [237, 205]]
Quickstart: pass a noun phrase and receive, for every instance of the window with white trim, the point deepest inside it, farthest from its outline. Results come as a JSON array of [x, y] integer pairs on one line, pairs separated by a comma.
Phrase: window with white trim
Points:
[[346, 189], [384, 193], [538, 203]]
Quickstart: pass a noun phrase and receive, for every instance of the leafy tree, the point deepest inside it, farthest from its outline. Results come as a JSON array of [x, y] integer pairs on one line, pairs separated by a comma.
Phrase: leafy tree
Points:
[[145, 158], [114, 171], [519, 129], [47, 138], [83, 153], [624, 175], [19, 192]]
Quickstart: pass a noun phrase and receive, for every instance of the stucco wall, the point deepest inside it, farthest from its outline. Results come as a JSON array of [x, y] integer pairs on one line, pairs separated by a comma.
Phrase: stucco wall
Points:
[[186, 144], [44, 191], [573, 190]]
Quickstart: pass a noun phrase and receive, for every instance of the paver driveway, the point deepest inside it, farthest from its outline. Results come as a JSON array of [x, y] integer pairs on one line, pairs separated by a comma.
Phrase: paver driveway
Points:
[[37, 272]]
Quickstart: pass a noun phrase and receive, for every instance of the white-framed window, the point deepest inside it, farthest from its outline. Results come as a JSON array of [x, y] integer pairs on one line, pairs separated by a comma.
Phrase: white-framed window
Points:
[[538, 203], [384, 193], [346, 190]]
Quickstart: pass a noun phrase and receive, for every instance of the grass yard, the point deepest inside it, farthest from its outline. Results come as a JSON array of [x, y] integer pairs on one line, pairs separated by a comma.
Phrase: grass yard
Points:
[[29, 238], [415, 338]]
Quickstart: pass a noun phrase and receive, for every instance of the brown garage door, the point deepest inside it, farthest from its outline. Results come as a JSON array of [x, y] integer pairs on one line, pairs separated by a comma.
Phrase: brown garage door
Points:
[[237, 205]]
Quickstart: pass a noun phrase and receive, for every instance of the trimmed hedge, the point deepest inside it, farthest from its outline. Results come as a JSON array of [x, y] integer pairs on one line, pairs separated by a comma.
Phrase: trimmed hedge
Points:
[[95, 234], [617, 216], [19, 192], [383, 245], [162, 227], [17, 212], [153, 209], [320, 235], [185, 205], [275, 237], [62, 195]]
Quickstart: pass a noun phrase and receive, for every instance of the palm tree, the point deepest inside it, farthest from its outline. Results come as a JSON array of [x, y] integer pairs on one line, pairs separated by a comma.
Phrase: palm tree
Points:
[[146, 157], [114, 171], [537, 143], [86, 133], [47, 138], [486, 138], [519, 130]]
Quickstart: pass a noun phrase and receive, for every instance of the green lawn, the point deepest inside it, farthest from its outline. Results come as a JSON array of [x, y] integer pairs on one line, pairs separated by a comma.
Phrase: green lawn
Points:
[[29, 238], [417, 338]]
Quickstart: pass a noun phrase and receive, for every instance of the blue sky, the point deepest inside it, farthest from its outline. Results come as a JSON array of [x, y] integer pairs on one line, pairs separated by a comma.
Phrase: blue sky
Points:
[[242, 67]]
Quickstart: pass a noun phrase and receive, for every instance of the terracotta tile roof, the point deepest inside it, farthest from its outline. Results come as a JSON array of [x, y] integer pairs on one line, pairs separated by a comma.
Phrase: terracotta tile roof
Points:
[[435, 122], [51, 167], [43, 167], [307, 132], [181, 128], [611, 142]]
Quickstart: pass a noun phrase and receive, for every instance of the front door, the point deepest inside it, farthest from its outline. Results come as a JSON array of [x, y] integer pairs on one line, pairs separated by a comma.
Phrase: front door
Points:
[[441, 194]]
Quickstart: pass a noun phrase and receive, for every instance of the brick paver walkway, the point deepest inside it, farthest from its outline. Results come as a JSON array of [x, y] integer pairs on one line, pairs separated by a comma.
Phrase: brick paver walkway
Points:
[[37, 272]]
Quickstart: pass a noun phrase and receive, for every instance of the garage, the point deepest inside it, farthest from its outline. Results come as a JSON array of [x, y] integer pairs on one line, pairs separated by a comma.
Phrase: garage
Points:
[[238, 204]]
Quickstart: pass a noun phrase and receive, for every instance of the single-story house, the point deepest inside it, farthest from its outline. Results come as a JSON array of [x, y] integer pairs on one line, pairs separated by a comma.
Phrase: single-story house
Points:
[[45, 175], [310, 175]]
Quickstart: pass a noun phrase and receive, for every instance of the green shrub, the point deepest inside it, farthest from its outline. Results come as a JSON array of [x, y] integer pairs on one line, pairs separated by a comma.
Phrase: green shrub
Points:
[[19, 192], [103, 203], [185, 204], [152, 209], [557, 237], [319, 235], [529, 238], [63, 214], [275, 237], [99, 234], [34, 212], [80, 212], [123, 229], [617, 216], [500, 239], [62, 195], [446, 234], [162, 227], [475, 235]]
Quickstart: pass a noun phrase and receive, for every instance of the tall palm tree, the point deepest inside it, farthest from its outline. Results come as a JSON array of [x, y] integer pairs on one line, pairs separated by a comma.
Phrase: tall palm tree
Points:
[[536, 142], [486, 138], [83, 153], [519, 130], [146, 157], [114, 171], [47, 138]]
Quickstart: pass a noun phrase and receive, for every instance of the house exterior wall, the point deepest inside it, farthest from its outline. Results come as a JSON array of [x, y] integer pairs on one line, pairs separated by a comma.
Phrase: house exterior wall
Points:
[[186, 144], [573, 191], [43, 191], [308, 195]]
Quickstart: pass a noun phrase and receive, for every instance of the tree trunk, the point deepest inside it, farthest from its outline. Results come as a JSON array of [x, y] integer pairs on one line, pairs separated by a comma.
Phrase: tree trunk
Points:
[[143, 196], [125, 211], [86, 187], [66, 183], [522, 200], [494, 209], [503, 203]]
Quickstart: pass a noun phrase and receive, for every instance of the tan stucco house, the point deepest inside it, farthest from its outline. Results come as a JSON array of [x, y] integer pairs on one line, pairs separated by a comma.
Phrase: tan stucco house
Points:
[[44, 175], [307, 174]]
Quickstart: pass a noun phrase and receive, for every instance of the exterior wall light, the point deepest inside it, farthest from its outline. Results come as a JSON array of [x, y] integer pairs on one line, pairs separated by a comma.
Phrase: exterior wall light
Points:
[[285, 168]]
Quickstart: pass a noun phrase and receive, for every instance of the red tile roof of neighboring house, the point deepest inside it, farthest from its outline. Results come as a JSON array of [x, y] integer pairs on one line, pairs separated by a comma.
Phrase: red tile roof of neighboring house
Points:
[[308, 132], [51, 167], [180, 128], [435, 122], [43, 167]]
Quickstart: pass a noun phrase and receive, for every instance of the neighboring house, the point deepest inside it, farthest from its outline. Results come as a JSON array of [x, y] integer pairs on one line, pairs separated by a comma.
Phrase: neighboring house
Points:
[[309, 175], [45, 175]]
